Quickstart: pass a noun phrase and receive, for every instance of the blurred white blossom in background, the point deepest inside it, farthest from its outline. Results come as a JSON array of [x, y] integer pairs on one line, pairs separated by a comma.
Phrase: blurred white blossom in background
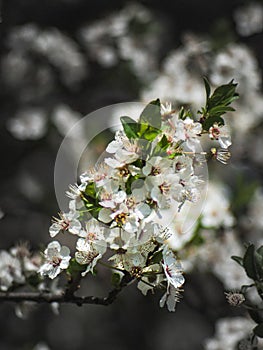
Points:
[[249, 18], [64, 118], [2, 214], [229, 332], [131, 35], [28, 124], [10, 271], [177, 81], [216, 211], [41, 345], [51, 49]]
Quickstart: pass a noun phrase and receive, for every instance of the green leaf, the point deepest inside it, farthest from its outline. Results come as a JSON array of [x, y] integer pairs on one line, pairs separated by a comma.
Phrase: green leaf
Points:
[[249, 262], [90, 190], [258, 330], [259, 262], [223, 95], [237, 259], [211, 120], [217, 104], [34, 279], [75, 267], [256, 315], [148, 132], [161, 147], [151, 115], [219, 110], [156, 257], [130, 127], [260, 251], [163, 143], [207, 88]]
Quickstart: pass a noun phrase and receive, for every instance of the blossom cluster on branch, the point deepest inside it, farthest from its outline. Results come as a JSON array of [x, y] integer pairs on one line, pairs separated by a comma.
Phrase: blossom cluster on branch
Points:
[[121, 209]]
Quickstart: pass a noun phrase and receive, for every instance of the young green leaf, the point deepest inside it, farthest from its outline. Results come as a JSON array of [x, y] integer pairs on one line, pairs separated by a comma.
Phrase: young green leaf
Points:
[[217, 104], [259, 262], [207, 88], [223, 96], [249, 262], [211, 121], [151, 115], [237, 259], [130, 127], [147, 132], [156, 257], [75, 267], [256, 315]]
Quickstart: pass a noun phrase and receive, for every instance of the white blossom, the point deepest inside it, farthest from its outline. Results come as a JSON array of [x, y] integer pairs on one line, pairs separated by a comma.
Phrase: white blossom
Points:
[[172, 269], [10, 271], [170, 298], [88, 253], [187, 130], [221, 134], [57, 258], [229, 331], [28, 124], [66, 222], [216, 209], [249, 18]]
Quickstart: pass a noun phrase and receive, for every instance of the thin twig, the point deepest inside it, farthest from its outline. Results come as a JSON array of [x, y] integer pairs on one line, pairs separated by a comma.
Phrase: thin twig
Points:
[[18, 297]]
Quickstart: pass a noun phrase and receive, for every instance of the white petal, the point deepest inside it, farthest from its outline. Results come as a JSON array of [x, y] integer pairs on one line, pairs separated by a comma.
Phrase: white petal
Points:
[[54, 272], [113, 146], [54, 229], [113, 163], [64, 251], [104, 215], [83, 245]]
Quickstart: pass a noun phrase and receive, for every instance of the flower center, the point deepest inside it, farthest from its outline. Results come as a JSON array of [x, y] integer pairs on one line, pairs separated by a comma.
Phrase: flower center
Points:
[[121, 219], [124, 171], [165, 188], [91, 236], [136, 271], [156, 170], [65, 225], [56, 261]]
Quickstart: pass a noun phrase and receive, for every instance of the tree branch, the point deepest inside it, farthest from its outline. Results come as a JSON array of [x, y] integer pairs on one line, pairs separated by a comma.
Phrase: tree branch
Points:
[[66, 297]]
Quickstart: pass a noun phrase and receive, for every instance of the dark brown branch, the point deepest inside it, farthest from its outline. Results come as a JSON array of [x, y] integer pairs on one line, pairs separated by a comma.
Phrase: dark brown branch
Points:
[[73, 285], [65, 297]]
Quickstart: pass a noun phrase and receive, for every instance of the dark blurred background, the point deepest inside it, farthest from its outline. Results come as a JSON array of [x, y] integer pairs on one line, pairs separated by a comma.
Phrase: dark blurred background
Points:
[[60, 60]]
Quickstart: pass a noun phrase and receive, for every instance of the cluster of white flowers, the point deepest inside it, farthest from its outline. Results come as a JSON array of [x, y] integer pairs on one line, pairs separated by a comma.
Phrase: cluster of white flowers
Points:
[[16, 266], [249, 18], [125, 204], [179, 77], [215, 251], [28, 124], [61, 52], [215, 255], [230, 333], [215, 213], [115, 38]]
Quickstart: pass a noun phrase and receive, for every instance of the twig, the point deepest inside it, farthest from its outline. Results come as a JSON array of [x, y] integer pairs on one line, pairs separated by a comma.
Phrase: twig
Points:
[[66, 297]]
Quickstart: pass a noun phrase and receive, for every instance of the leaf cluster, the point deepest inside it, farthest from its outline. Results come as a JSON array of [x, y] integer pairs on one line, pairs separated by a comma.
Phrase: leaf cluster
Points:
[[217, 103], [252, 262], [148, 125]]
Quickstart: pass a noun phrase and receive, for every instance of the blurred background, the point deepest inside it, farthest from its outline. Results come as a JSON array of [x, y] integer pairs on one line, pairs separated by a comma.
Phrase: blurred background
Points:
[[63, 59]]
